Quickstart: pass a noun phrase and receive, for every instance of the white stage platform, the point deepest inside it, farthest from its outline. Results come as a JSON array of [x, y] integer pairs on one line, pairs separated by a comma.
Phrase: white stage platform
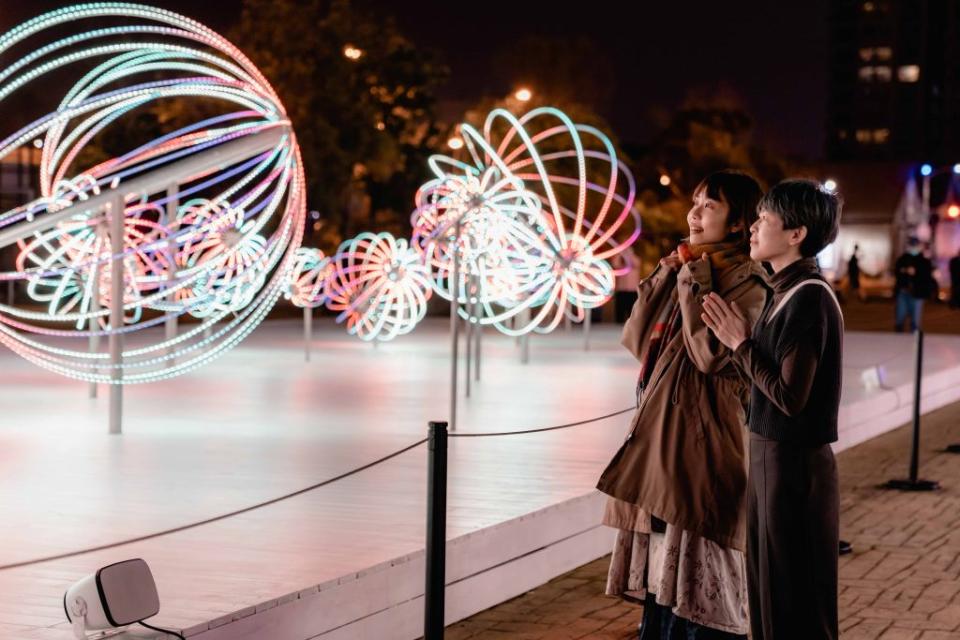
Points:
[[346, 560]]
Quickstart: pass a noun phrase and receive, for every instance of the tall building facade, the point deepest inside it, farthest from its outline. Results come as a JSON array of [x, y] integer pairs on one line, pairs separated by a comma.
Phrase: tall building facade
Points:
[[894, 91]]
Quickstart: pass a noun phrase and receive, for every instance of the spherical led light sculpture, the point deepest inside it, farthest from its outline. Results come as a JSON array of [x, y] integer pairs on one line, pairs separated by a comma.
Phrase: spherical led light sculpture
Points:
[[379, 285], [486, 219], [555, 205], [212, 209], [307, 280]]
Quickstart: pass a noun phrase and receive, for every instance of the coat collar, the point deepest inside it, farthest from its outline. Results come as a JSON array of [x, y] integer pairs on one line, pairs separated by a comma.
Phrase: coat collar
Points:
[[793, 273]]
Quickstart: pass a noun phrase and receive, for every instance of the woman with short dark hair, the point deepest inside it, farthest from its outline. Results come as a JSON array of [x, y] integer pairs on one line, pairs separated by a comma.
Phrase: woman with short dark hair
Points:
[[677, 485], [793, 357]]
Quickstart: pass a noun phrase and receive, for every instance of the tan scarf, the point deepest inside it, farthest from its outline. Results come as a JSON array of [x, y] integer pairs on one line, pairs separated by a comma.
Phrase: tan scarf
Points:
[[723, 257]]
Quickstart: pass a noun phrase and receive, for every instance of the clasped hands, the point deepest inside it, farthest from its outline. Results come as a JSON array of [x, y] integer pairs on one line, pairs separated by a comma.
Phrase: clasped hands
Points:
[[726, 320]]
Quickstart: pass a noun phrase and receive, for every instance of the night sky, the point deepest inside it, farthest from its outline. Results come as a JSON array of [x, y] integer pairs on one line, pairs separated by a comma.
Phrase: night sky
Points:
[[772, 55]]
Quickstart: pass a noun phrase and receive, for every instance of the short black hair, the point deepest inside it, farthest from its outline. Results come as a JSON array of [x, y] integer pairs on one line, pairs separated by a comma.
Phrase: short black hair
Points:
[[804, 203], [740, 191]]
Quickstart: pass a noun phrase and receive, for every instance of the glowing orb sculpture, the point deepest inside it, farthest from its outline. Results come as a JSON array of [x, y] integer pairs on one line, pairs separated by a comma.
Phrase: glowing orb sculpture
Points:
[[213, 235], [379, 285], [488, 220], [307, 281], [536, 215]]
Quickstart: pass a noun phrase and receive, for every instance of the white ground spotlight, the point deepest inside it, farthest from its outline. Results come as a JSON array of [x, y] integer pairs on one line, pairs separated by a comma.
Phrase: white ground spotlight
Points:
[[114, 597]]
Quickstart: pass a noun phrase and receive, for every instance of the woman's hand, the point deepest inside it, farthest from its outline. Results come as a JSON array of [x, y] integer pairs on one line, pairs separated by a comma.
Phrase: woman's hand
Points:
[[672, 261], [725, 320]]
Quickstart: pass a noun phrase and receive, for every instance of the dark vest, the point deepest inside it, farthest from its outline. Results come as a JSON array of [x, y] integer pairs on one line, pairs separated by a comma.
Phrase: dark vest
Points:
[[809, 315]]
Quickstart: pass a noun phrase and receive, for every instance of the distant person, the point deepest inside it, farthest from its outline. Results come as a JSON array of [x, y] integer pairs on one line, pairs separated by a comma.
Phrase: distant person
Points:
[[853, 275], [955, 281], [914, 277]]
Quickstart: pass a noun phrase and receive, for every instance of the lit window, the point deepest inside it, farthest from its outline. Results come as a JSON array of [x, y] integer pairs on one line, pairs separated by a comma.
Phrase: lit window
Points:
[[866, 54], [908, 73], [863, 135], [866, 74], [880, 136], [842, 134], [868, 7], [883, 53], [883, 74]]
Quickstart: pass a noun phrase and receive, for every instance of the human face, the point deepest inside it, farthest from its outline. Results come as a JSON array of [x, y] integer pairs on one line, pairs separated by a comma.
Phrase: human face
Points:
[[770, 242], [707, 219]]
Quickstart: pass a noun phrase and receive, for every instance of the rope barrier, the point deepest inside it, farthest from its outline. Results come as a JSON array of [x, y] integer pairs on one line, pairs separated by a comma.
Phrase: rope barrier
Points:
[[224, 516]]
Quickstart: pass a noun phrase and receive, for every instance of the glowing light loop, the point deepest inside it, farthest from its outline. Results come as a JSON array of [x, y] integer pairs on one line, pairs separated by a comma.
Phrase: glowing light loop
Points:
[[219, 247]]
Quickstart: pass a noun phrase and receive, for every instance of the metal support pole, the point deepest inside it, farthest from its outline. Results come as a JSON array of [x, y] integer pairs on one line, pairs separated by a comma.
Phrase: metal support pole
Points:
[[117, 206], [525, 339], [917, 378], [586, 329], [436, 546], [307, 332], [913, 483], [479, 333], [468, 338], [454, 326], [170, 216], [93, 325]]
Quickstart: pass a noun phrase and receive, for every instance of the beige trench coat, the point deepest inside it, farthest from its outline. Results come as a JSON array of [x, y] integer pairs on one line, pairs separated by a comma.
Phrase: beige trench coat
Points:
[[684, 460]]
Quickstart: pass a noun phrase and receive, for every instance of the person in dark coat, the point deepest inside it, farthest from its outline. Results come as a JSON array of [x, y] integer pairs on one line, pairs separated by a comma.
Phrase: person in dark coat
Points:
[[793, 357], [914, 280], [955, 281], [853, 274]]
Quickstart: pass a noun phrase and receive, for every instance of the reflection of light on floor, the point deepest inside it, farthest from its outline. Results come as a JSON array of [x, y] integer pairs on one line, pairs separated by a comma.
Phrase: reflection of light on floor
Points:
[[260, 422]]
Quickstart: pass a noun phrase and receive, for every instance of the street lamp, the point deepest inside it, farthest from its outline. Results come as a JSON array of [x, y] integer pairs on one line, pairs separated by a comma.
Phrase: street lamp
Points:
[[523, 94], [830, 185], [665, 180], [352, 52]]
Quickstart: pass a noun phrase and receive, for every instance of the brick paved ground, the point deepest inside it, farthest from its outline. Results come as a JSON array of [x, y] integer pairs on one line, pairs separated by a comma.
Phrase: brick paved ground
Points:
[[901, 583], [878, 314]]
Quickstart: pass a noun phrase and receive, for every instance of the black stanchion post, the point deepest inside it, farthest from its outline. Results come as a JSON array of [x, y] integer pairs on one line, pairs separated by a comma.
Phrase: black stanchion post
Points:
[[436, 532], [913, 483]]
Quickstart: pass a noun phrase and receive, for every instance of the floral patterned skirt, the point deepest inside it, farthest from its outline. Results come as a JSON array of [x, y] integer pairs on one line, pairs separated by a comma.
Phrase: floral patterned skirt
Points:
[[698, 579]]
